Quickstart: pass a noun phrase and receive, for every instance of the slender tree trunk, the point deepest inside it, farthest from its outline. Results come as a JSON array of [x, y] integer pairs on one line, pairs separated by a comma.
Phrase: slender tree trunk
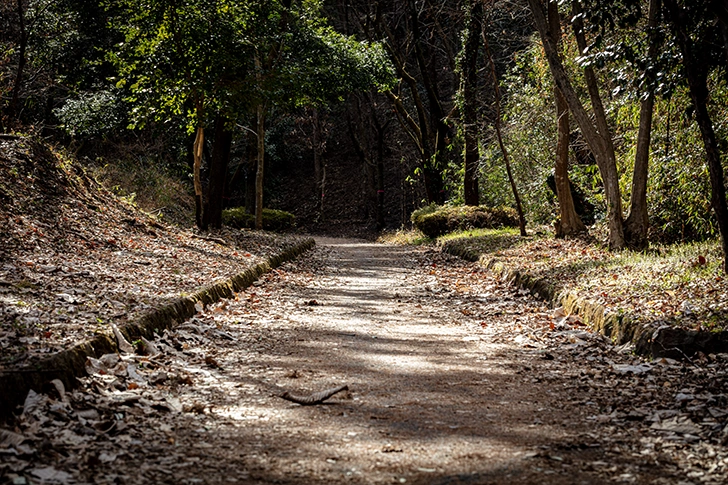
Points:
[[636, 225], [697, 81], [319, 168], [259, 172], [218, 173], [379, 171], [17, 84], [251, 156], [436, 163], [599, 142], [499, 135], [569, 222], [197, 153], [468, 87], [428, 129]]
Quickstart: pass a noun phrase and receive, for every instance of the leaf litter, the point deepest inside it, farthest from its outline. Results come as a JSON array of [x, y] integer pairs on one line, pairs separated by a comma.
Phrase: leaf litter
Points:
[[76, 260], [525, 387]]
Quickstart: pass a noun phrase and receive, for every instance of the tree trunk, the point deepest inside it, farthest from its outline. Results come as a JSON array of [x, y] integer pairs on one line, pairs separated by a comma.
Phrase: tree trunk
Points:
[[610, 176], [429, 130], [468, 87], [318, 166], [260, 130], [17, 84], [697, 82], [436, 163], [506, 159], [599, 142], [569, 222], [251, 156], [218, 173], [197, 153], [637, 224], [379, 171]]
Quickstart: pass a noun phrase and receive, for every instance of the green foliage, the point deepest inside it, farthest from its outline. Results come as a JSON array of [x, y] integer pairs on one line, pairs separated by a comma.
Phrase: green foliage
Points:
[[274, 220], [192, 60], [94, 113], [435, 221]]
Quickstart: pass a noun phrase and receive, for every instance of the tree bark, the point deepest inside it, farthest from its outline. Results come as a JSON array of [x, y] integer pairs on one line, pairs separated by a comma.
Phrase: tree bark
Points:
[[197, 154], [506, 159], [636, 225], [600, 142], [569, 222], [697, 81], [468, 87], [610, 176], [218, 173]]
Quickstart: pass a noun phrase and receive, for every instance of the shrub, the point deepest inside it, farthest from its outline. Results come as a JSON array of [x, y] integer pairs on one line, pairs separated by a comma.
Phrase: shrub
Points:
[[435, 221], [273, 219]]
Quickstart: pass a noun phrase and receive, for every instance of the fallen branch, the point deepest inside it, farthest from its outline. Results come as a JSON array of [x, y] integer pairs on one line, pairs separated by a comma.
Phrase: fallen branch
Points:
[[212, 239], [315, 398]]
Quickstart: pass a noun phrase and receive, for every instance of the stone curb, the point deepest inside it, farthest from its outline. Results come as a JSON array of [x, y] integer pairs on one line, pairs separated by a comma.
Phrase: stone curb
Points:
[[69, 364], [654, 339]]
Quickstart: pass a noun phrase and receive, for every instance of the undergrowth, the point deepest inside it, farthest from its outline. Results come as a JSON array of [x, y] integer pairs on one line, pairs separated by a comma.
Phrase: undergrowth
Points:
[[150, 188]]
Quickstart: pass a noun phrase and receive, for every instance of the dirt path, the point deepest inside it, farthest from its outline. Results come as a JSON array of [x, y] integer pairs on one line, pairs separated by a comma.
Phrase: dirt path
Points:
[[454, 377]]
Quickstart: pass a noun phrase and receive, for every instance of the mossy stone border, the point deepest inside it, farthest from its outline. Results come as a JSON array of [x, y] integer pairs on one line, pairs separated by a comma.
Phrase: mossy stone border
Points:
[[69, 364], [653, 339]]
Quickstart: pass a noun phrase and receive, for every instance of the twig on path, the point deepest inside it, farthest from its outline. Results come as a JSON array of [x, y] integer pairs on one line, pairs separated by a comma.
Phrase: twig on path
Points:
[[212, 239], [315, 398]]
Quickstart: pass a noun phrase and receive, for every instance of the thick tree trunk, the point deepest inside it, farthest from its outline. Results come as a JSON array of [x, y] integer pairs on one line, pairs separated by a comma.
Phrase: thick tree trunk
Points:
[[697, 81], [636, 225], [260, 130], [599, 142], [569, 222], [499, 135], [218, 173], [468, 87], [197, 154]]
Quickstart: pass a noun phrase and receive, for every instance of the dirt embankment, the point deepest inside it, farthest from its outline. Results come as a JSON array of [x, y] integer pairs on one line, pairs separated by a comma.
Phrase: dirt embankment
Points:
[[75, 259]]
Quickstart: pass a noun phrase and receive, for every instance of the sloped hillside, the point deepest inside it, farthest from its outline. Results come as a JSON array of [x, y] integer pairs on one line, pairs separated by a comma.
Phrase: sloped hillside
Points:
[[74, 258]]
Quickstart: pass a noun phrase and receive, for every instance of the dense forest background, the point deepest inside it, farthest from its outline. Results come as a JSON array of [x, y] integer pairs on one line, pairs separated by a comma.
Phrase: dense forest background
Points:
[[352, 114]]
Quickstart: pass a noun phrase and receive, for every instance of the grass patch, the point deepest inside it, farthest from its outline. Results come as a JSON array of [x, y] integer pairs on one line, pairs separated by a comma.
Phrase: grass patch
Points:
[[681, 283], [403, 237]]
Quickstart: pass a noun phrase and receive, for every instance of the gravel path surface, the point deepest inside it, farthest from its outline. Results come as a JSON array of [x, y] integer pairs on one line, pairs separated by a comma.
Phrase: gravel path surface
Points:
[[453, 377]]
